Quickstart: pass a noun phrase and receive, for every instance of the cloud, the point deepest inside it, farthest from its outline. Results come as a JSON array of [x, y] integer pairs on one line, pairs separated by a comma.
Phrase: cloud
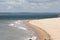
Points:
[[30, 6]]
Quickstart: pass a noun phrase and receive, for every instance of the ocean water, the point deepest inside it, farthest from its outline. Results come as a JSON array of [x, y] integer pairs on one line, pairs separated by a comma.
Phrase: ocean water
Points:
[[22, 16], [13, 30]]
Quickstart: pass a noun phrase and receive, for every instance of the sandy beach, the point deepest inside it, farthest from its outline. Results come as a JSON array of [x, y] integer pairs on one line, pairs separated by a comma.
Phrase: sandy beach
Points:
[[51, 26]]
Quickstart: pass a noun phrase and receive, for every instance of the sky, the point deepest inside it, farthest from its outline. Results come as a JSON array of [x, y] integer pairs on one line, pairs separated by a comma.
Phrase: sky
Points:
[[29, 5]]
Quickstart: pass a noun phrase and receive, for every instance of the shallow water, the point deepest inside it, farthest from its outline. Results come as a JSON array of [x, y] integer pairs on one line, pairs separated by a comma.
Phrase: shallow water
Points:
[[13, 32]]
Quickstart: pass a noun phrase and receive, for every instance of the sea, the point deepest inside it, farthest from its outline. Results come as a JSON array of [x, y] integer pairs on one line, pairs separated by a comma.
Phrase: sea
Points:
[[26, 15], [15, 30]]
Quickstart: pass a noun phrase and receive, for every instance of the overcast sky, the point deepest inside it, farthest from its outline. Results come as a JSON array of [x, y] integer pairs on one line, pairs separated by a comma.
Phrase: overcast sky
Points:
[[29, 5]]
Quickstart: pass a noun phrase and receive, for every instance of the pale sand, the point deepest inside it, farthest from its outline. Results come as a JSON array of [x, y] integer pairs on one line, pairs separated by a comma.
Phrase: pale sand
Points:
[[51, 26]]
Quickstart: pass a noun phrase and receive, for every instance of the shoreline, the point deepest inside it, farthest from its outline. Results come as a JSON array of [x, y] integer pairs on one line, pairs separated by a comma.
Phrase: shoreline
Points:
[[41, 34]]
